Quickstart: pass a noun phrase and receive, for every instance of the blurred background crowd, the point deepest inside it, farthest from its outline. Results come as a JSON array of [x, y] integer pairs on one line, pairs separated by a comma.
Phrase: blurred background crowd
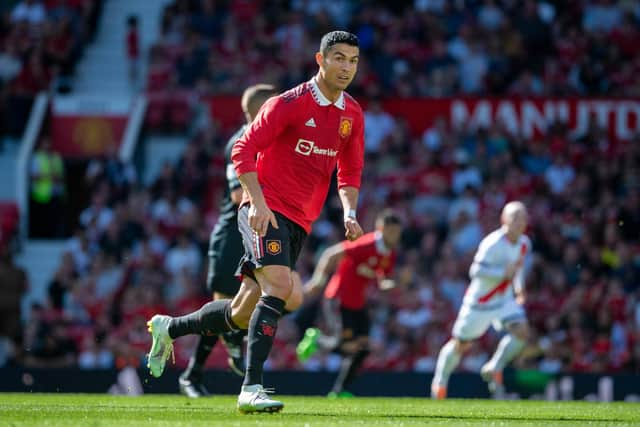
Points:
[[140, 249]]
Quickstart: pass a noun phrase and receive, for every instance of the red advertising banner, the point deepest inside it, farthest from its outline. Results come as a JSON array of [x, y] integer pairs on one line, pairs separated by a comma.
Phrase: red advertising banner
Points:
[[528, 117], [86, 136], [226, 110]]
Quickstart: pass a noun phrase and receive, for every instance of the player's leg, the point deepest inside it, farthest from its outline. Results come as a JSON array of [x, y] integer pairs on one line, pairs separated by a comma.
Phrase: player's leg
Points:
[[513, 321], [448, 360], [213, 318], [241, 311], [470, 324], [355, 350], [190, 381], [216, 317], [275, 283], [269, 260], [314, 339]]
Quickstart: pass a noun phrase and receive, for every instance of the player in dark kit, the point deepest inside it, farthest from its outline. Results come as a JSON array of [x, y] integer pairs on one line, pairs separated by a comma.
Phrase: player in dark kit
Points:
[[284, 161], [225, 252], [357, 264]]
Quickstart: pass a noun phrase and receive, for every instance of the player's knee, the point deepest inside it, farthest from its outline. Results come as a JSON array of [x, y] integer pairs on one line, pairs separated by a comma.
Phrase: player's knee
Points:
[[462, 347], [521, 332]]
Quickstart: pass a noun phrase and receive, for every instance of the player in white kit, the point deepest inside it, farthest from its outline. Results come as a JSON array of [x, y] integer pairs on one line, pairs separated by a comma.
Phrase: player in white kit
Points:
[[495, 297]]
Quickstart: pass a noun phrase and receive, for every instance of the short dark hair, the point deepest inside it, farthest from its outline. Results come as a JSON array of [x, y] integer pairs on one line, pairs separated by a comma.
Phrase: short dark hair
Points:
[[335, 37], [254, 96], [388, 217]]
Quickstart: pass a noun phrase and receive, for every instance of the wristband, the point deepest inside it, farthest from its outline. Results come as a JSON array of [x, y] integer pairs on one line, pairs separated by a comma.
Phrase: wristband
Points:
[[351, 213]]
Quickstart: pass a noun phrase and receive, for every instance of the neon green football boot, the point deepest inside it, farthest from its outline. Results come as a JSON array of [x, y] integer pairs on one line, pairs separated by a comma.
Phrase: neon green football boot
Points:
[[162, 346], [308, 345]]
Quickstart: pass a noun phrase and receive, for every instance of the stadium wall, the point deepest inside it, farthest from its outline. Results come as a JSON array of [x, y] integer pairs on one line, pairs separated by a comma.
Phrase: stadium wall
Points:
[[519, 384]]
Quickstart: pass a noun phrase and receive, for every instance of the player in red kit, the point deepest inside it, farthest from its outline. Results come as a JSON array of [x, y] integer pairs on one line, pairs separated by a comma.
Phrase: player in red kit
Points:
[[357, 264], [284, 161]]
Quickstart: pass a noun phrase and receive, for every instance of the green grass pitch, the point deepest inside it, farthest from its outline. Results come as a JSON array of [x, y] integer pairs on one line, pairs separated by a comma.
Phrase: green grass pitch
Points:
[[165, 410]]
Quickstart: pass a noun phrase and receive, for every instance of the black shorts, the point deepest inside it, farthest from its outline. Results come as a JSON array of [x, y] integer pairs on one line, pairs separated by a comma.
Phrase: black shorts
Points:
[[345, 323], [279, 246], [225, 252]]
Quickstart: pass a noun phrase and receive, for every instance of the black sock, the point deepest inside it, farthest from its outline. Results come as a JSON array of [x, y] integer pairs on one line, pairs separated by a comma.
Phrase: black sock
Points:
[[212, 319], [233, 341], [262, 330], [199, 358], [348, 370]]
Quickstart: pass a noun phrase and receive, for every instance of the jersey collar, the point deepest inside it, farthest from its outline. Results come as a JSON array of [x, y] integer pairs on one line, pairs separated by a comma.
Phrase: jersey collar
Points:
[[322, 100], [380, 246]]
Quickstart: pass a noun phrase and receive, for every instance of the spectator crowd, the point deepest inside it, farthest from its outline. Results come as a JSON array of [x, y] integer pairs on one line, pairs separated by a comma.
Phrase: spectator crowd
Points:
[[40, 43], [141, 250]]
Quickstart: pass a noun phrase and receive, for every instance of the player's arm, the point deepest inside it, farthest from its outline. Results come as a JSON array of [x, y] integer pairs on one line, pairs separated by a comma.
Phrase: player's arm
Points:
[[349, 199], [518, 286], [261, 133], [326, 265], [350, 165], [519, 278], [260, 216]]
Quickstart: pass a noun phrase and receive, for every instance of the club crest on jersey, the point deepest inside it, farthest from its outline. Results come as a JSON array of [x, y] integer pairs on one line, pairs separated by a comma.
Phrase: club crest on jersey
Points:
[[344, 130], [274, 247]]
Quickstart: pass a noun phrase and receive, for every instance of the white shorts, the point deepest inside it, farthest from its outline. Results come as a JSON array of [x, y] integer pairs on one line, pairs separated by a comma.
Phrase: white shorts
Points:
[[472, 322]]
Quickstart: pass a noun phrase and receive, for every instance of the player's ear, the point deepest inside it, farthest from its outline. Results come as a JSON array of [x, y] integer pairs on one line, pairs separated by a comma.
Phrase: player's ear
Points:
[[319, 59]]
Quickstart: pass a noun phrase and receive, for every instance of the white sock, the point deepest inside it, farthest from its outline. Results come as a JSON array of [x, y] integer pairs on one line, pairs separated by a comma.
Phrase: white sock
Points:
[[448, 360], [507, 350]]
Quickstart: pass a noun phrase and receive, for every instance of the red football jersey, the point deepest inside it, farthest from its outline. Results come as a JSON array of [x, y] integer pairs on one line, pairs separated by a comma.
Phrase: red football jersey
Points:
[[364, 261], [295, 143]]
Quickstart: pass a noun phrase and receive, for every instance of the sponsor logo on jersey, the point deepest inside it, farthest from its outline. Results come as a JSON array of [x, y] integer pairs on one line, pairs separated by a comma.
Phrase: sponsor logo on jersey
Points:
[[311, 123], [306, 147], [344, 130], [274, 247]]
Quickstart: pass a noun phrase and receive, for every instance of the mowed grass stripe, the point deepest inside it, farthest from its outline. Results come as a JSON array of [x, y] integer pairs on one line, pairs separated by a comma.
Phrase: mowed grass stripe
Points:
[[105, 410]]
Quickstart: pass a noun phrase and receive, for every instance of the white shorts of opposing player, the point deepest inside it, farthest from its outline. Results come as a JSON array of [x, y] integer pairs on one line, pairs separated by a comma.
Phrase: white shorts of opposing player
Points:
[[474, 319]]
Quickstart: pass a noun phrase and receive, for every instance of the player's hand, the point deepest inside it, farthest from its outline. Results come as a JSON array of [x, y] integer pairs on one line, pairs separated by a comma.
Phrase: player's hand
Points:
[[387, 284], [352, 229], [260, 216], [521, 298]]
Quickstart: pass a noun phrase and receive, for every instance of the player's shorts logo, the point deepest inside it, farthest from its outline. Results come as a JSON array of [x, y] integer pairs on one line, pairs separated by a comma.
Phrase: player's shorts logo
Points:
[[274, 247], [304, 147], [344, 130]]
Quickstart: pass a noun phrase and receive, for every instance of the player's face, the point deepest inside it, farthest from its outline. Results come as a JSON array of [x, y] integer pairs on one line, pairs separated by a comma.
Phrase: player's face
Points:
[[391, 235], [340, 64], [518, 222]]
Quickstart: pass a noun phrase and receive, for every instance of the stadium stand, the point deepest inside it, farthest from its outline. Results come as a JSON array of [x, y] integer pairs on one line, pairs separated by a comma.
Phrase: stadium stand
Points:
[[140, 250]]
